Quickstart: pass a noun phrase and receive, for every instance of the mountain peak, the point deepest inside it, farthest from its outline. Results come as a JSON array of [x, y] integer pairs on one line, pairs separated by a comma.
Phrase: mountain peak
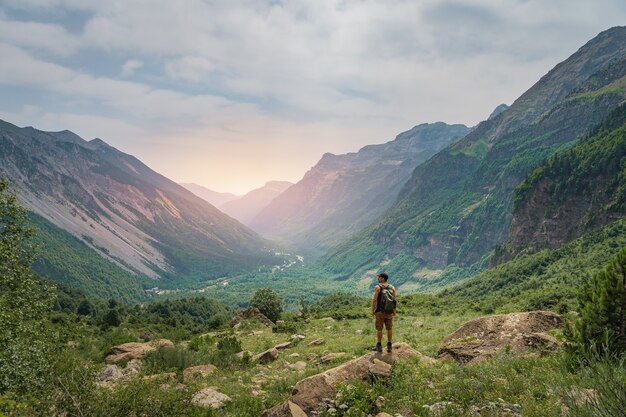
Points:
[[499, 109]]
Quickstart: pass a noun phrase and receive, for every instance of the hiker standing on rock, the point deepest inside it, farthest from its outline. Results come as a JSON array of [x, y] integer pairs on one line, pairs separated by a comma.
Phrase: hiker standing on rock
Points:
[[383, 310]]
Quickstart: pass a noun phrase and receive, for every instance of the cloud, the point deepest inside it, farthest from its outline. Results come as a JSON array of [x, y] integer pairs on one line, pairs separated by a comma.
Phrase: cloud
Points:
[[130, 66], [189, 68], [46, 37]]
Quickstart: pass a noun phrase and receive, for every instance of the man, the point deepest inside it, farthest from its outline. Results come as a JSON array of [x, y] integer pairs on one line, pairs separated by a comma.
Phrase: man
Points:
[[382, 317]]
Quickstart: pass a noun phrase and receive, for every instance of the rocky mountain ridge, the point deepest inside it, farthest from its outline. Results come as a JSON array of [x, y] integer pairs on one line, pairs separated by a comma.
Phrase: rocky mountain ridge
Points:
[[343, 193], [134, 217]]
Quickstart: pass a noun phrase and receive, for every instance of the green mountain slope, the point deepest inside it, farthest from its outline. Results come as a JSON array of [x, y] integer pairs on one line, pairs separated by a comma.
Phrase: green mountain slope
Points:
[[457, 206], [572, 193], [342, 194], [62, 257]]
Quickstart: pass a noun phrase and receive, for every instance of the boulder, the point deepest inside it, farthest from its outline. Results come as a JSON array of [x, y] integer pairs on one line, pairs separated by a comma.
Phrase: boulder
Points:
[[110, 374], [135, 350], [309, 393], [487, 336], [295, 410], [210, 397], [200, 371], [298, 366], [269, 355], [379, 369], [251, 314], [332, 356]]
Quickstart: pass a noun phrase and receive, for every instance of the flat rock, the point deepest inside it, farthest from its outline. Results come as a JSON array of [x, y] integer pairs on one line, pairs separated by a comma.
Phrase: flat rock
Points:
[[210, 397], [285, 345], [298, 337], [309, 393], [487, 336], [135, 350], [200, 371], [379, 369], [383, 415], [317, 342], [332, 356], [268, 356]]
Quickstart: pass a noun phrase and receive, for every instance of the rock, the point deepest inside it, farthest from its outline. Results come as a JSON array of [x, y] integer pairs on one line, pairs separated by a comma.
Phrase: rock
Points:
[[383, 415], [249, 314], [309, 392], [298, 337], [379, 369], [256, 333], [380, 402], [72, 344], [134, 350], [317, 342], [200, 371], [332, 356], [418, 324], [295, 410], [280, 321], [312, 357], [258, 392], [210, 397], [133, 367], [487, 336], [359, 332], [285, 345], [110, 374], [166, 377], [327, 319], [268, 356], [298, 366], [294, 355], [241, 354]]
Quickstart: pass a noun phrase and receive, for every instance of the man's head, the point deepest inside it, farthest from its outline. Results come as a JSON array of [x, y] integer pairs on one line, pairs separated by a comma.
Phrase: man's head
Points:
[[383, 277]]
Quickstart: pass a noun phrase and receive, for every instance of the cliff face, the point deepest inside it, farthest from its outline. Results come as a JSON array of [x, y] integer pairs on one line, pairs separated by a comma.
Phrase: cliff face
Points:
[[457, 206], [121, 209], [573, 193]]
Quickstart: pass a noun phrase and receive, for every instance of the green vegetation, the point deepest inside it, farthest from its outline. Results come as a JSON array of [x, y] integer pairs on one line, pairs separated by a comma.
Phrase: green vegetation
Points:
[[65, 259], [268, 302], [601, 327], [25, 335]]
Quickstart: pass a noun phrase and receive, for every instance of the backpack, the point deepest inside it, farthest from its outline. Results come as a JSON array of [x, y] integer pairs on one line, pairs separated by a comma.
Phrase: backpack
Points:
[[388, 301]]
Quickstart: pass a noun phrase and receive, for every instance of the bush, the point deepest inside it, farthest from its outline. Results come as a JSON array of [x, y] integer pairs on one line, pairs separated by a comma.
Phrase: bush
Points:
[[601, 327], [268, 302]]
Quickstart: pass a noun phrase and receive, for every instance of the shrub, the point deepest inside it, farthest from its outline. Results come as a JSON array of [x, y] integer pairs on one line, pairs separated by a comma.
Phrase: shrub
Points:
[[601, 327], [268, 302]]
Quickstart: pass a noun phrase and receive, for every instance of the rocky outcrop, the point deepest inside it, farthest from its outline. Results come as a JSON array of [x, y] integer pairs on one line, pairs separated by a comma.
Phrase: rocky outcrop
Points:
[[135, 350], [210, 397], [485, 337], [308, 393], [251, 314]]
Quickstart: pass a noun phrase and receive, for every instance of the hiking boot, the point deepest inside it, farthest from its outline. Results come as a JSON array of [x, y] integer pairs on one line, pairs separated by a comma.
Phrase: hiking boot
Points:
[[389, 347], [378, 348]]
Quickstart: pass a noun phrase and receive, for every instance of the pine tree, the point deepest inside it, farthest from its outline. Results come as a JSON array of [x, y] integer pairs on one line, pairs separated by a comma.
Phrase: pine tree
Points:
[[602, 324], [25, 303]]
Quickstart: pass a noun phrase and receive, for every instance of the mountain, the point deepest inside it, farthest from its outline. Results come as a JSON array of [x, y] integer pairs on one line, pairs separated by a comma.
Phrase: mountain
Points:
[[457, 206], [213, 197], [572, 193], [246, 207], [114, 205], [343, 193]]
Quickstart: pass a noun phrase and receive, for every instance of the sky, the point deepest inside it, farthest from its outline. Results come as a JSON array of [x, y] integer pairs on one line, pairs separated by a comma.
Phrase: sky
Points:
[[232, 94]]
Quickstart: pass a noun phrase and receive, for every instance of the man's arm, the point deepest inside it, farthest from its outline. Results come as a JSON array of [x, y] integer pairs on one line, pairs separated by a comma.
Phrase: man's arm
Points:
[[375, 300], [395, 298]]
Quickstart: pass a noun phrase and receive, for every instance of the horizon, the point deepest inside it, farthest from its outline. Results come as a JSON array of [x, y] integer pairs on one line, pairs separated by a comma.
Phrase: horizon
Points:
[[232, 96]]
